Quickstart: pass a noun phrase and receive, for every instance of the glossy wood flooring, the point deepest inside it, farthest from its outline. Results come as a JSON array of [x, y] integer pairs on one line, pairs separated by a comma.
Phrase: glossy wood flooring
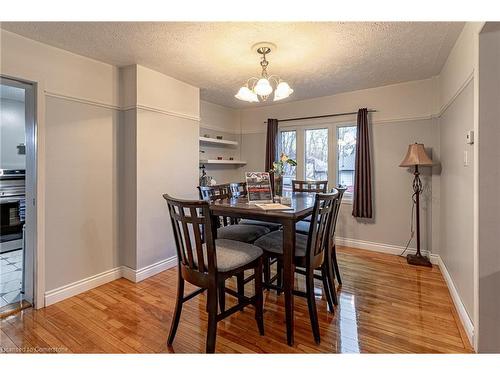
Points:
[[386, 306]]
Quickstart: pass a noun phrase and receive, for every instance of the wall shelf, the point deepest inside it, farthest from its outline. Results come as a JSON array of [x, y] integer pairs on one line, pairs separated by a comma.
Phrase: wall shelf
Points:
[[215, 161], [216, 141]]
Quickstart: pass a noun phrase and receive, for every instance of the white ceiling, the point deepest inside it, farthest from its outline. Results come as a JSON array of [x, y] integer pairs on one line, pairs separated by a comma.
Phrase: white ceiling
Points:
[[316, 58]]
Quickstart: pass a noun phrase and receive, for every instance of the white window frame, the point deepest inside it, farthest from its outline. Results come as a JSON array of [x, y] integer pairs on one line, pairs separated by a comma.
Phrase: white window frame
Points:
[[300, 131]]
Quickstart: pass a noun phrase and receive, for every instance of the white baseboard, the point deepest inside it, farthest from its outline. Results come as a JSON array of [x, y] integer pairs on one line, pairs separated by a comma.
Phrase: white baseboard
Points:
[[80, 286], [148, 271], [457, 301], [382, 248]]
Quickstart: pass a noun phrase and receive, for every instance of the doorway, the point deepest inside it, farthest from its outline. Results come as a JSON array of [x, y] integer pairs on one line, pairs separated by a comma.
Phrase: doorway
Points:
[[17, 194]]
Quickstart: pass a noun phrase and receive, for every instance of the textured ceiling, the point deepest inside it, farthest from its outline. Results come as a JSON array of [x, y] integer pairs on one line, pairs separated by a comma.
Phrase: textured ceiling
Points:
[[316, 58]]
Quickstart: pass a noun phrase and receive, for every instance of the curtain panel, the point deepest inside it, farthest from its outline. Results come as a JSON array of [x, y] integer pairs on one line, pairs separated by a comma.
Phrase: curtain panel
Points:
[[271, 143], [362, 200]]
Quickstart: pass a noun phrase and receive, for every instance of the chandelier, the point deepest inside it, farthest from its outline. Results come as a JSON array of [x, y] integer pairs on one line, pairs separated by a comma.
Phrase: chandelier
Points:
[[259, 89]]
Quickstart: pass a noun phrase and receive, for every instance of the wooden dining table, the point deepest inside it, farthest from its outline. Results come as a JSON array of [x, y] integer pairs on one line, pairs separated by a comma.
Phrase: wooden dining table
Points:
[[301, 206]]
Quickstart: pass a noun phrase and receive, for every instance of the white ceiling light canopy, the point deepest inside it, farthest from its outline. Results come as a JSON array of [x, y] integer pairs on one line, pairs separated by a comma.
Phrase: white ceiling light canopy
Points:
[[259, 89]]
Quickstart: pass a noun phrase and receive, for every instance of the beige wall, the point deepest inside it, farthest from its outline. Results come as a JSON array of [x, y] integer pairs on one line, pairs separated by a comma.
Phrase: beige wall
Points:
[[81, 191], [161, 145], [489, 189], [457, 189]]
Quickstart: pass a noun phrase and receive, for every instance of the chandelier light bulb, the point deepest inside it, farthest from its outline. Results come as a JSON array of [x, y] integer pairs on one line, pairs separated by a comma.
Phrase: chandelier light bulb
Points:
[[246, 95], [263, 87], [282, 91]]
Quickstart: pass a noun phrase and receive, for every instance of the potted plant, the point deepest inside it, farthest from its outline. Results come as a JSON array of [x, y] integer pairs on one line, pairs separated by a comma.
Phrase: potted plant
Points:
[[278, 171]]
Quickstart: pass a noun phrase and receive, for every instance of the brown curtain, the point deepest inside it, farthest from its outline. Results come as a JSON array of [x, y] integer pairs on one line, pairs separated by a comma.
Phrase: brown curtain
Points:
[[362, 200], [271, 143]]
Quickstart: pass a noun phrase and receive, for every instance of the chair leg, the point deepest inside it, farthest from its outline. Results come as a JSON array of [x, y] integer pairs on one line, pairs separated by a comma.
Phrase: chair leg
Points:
[[259, 313], [178, 309], [279, 280], [331, 277], [222, 296], [326, 287], [240, 281], [311, 303], [336, 265], [212, 319], [267, 272]]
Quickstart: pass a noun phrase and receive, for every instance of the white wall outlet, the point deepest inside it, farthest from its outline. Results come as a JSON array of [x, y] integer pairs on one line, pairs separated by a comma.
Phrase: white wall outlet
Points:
[[469, 137]]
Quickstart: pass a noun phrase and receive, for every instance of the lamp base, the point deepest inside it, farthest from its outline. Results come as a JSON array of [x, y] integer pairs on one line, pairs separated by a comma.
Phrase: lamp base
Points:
[[418, 260]]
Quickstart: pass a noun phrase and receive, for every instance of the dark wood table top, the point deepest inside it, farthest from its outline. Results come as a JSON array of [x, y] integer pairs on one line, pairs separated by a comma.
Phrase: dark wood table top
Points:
[[301, 206]]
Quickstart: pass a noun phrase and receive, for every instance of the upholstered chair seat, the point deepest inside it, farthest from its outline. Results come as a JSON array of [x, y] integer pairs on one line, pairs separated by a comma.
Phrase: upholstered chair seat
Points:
[[267, 224], [231, 254], [273, 243], [241, 232]]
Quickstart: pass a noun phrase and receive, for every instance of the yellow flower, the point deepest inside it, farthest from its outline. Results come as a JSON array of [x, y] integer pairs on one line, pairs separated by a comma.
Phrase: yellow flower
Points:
[[283, 157]]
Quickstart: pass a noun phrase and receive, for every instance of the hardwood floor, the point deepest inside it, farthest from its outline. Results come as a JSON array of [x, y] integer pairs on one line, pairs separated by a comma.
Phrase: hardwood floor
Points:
[[385, 306]]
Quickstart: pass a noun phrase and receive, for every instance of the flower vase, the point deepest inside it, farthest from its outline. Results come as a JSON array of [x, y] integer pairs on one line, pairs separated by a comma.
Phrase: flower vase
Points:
[[278, 185]]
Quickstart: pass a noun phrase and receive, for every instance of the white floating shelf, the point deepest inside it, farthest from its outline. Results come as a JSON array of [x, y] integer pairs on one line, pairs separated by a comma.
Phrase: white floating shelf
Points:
[[218, 141], [216, 161]]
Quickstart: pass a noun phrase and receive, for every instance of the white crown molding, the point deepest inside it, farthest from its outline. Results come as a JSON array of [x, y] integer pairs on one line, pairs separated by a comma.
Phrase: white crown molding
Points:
[[164, 112], [204, 125], [457, 301], [374, 122], [81, 100], [118, 108], [462, 87]]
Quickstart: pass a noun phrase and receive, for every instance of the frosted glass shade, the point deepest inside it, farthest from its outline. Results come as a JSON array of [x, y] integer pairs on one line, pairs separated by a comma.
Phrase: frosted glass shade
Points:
[[282, 91], [246, 95], [263, 87]]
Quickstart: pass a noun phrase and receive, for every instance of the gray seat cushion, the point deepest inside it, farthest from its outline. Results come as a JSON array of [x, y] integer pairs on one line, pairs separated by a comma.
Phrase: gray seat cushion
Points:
[[303, 227], [231, 254], [267, 224], [241, 232], [273, 243]]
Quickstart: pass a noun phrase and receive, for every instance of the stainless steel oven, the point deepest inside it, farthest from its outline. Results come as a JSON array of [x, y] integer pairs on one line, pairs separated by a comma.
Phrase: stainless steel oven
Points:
[[12, 209]]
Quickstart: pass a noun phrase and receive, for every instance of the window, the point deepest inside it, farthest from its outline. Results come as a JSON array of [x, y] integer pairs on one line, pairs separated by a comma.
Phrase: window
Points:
[[316, 154], [288, 145], [346, 157]]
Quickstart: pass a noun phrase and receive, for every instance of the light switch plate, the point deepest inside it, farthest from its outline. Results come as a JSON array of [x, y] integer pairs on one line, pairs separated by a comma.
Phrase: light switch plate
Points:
[[469, 137], [466, 158]]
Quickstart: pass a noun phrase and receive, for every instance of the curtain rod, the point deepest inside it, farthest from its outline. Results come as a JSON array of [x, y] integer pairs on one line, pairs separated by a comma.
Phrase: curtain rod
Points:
[[322, 116]]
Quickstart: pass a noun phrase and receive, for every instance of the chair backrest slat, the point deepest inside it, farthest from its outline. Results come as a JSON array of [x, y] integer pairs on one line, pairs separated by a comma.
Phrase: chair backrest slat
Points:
[[320, 227], [238, 189], [214, 193], [301, 186], [189, 220]]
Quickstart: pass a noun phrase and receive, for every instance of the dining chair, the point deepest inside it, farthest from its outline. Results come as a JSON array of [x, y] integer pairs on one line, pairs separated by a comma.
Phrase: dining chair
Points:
[[229, 228], [208, 263], [238, 189], [331, 265], [310, 186], [309, 251]]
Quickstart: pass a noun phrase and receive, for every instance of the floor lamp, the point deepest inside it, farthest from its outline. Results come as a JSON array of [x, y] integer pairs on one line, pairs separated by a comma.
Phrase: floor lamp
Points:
[[417, 157]]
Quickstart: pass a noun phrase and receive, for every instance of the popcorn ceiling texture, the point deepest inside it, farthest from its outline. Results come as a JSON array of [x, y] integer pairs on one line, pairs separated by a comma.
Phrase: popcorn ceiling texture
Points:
[[316, 58]]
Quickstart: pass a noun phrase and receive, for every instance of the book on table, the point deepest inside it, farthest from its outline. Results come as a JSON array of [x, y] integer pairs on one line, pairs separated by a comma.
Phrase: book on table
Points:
[[273, 206]]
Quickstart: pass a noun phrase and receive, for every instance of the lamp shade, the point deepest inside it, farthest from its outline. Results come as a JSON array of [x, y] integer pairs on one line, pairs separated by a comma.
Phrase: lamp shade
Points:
[[416, 155]]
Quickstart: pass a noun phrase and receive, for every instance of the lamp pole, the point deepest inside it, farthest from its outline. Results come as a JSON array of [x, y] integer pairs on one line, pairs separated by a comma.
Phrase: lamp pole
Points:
[[418, 259]]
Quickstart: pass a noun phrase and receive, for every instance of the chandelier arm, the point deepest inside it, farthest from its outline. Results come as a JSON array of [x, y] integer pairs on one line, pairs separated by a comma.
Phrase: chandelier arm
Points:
[[275, 78]]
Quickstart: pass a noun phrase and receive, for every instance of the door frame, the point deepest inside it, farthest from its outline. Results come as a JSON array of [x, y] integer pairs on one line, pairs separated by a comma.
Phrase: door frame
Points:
[[32, 259]]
